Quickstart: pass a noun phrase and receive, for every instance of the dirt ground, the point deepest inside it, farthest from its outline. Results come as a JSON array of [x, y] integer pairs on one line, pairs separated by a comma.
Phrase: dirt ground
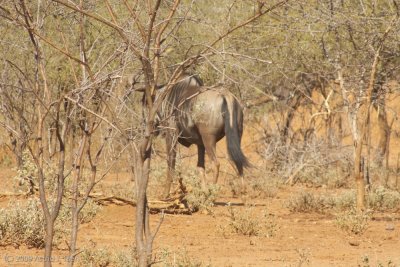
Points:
[[309, 239], [300, 239]]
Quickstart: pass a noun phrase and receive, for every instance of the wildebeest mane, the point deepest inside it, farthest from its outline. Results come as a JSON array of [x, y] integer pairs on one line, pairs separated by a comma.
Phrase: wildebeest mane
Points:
[[178, 98]]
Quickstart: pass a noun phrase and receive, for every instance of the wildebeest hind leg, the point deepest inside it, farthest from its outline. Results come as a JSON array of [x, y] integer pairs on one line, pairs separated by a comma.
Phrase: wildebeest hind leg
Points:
[[200, 164], [210, 145]]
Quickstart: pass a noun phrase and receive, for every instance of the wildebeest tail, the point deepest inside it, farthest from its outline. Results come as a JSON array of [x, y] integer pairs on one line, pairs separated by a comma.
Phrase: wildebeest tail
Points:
[[233, 120]]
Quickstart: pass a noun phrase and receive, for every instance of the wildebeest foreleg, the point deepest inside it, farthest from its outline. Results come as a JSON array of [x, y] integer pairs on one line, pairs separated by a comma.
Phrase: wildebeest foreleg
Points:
[[171, 160]]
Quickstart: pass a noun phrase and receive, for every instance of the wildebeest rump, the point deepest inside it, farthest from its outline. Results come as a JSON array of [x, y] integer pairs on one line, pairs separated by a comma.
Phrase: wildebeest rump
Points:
[[200, 115]]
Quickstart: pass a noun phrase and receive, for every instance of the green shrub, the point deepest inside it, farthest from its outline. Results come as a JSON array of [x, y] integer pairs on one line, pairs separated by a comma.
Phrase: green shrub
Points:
[[100, 257], [346, 200], [352, 222], [95, 257], [383, 199], [22, 224], [197, 197]]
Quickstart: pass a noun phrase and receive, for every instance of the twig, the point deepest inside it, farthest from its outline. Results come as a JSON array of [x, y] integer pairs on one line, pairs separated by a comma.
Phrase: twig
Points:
[[293, 178]]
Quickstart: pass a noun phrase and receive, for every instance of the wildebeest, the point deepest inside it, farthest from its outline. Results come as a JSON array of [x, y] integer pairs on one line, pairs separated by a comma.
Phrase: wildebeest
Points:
[[200, 115]]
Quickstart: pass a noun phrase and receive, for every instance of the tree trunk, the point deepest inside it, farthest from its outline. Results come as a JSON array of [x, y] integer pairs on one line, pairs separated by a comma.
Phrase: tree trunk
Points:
[[143, 235], [359, 177], [48, 249], [75, 195], [74, 235], [292, 110], [384, 132]]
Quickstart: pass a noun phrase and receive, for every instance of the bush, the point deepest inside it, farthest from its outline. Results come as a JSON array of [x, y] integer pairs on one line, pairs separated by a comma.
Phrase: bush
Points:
[[314, 160], [125, 258], [100, 257], [346, 200], [380, 199], [95, 257], [22, 224], [259, 186], [26, 175], [246, 223], [178, 259], [199, 198], [86, 215], [352, 222], [307, 202], [383, 199]]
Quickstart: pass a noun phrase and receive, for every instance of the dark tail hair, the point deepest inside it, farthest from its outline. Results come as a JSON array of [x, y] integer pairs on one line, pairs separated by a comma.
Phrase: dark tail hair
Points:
[[233, 135]]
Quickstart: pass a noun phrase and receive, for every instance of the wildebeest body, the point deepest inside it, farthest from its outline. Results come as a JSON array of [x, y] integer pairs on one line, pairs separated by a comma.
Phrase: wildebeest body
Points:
[[202, 116]]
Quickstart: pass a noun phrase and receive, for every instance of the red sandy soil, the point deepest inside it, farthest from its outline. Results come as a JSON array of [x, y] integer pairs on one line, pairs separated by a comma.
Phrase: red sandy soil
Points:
[[302, 239]]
